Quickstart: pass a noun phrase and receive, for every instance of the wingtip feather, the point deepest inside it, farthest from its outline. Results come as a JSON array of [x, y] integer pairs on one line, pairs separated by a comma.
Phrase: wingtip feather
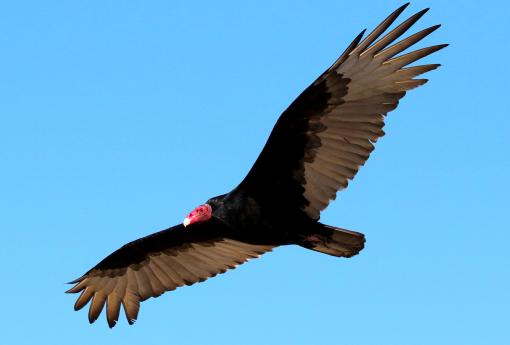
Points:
[[76, 281], [380, 29], [403, 7], [435, 27]]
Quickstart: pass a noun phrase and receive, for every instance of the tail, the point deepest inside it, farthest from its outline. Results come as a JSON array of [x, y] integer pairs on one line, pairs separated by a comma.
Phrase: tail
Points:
[[334, 241]]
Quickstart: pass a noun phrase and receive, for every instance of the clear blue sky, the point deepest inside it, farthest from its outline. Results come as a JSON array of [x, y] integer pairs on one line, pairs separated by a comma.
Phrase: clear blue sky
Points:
[[119, 117]]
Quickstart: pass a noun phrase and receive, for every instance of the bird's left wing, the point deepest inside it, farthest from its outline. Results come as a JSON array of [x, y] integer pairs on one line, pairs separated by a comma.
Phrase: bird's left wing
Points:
[[328, 132], [157, 263]]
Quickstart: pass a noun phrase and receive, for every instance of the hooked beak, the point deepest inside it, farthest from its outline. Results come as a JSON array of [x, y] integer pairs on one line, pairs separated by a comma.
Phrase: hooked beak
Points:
[[186, 222]]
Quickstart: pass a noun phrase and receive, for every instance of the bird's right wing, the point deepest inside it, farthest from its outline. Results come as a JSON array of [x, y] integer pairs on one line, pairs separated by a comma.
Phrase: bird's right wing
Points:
[[319, 143], [157, 263]]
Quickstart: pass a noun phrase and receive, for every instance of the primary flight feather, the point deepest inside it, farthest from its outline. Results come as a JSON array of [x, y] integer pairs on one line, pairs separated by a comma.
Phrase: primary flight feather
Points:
[[317, 145]]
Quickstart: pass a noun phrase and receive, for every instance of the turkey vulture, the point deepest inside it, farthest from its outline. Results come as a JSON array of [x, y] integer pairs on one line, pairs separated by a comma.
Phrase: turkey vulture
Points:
[[315, 148]]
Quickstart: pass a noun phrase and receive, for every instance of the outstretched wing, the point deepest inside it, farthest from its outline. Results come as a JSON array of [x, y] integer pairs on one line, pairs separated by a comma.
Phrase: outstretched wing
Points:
[[157, 263], [319, 143]]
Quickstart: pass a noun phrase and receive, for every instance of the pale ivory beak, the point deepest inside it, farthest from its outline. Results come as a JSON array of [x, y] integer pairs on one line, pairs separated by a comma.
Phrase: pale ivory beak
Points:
[[186, 222]]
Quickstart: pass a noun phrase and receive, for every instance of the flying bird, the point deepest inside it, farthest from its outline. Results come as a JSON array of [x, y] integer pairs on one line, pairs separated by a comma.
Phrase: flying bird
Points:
[[317, 145]]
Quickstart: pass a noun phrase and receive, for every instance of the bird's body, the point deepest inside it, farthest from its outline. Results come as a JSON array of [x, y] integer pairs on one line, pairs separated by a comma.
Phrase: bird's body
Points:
[[250, 222], [317, 145]]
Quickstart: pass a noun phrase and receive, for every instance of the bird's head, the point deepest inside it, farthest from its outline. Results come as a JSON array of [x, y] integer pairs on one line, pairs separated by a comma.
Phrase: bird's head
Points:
[[200, 214]]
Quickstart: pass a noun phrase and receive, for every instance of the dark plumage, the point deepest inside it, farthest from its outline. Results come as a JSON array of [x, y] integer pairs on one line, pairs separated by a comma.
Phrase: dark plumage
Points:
[[315, 148]]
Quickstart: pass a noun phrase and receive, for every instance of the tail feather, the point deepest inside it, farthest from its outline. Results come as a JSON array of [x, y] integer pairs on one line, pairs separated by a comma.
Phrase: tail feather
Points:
[[334, 241]]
